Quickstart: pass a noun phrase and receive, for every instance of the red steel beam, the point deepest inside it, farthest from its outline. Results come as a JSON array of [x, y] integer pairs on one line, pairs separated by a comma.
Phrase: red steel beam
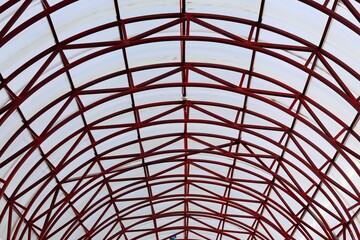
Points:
[[184, 19]]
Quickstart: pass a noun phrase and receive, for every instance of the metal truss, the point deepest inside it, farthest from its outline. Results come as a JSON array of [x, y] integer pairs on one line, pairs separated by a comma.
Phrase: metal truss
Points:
[[108, 161]]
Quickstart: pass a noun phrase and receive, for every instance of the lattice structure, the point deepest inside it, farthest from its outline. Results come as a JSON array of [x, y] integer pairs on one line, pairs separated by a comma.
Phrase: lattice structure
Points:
[[234, 119]]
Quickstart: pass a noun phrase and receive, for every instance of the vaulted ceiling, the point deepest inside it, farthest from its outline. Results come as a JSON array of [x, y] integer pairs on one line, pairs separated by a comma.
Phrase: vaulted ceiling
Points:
[[194, 119]]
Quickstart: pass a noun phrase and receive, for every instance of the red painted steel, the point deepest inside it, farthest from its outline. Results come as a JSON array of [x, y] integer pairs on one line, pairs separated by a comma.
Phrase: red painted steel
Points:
[[85, 182]]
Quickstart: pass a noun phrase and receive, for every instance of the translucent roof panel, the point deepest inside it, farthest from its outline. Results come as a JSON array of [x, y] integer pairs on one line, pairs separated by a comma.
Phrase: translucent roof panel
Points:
[[179, 119]]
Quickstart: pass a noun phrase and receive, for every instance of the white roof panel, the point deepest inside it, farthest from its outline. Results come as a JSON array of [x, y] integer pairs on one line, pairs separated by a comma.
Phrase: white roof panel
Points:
[[127, 119]]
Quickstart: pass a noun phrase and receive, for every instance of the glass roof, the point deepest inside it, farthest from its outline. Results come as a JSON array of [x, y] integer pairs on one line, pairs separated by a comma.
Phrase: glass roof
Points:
[[194, 119]]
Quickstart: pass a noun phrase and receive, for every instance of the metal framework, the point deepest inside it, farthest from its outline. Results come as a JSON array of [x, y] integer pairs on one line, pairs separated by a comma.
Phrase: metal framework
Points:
[[122, 119]]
